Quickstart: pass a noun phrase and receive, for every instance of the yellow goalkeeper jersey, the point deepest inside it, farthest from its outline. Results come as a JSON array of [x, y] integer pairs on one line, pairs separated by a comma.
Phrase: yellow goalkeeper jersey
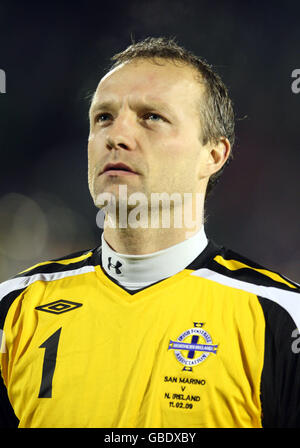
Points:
[[213, 346]]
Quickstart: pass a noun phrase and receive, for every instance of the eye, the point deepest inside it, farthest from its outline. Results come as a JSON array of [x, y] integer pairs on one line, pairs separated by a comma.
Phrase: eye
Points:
[[102, 117], [152, 116]]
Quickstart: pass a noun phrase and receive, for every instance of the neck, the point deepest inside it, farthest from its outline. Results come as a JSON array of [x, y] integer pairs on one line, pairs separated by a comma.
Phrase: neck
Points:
[[141, 240], [145, 241]]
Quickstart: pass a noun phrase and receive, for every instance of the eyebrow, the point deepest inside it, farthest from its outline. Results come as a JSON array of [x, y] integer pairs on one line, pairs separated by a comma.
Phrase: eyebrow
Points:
[[102, 105], [105, 105]]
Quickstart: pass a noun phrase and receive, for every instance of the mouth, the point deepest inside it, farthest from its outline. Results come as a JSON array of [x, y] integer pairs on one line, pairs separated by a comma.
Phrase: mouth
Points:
[[118, 169]]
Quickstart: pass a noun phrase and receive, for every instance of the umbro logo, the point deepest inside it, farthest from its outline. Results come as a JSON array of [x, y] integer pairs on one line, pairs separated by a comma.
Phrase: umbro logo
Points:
[[59, 306]]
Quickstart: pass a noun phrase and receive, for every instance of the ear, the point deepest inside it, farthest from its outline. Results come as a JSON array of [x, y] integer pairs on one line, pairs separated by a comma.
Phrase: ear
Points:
[[217, 155]]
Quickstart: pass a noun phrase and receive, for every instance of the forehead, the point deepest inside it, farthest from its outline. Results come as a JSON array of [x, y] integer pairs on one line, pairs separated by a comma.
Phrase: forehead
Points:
[[175, 83]]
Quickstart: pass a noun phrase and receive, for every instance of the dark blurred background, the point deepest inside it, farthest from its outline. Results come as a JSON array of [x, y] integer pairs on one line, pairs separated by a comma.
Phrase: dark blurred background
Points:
[[54, 54]]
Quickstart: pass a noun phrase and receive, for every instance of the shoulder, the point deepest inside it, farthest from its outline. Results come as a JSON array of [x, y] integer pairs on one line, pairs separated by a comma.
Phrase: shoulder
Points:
[[235, 266], [272, 288], [46, 271]]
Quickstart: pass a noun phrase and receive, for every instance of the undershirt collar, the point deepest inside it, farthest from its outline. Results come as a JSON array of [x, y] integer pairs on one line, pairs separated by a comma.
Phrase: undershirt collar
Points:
[[138, 271]]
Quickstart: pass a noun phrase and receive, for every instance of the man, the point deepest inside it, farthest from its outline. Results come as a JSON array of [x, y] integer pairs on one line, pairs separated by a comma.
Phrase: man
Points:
[[156, 327]]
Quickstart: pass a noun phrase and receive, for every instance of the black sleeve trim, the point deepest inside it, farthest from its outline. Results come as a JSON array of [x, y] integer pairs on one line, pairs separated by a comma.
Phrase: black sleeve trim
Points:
[[8, 418], [53, 267], [280, 380], [5, 304], [251, 276]]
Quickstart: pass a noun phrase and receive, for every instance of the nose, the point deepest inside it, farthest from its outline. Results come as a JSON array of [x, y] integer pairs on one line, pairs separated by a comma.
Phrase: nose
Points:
[[121, 133], [116, 143]]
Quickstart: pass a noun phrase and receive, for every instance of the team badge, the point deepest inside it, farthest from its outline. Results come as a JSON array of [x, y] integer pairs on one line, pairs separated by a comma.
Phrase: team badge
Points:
[[193, 346]]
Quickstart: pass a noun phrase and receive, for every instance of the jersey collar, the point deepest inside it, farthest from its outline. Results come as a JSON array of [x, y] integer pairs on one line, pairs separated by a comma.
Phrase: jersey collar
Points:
[[138, 271]]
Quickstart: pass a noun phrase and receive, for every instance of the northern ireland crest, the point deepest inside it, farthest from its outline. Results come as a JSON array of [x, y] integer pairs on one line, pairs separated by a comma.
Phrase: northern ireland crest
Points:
[[193, 346]]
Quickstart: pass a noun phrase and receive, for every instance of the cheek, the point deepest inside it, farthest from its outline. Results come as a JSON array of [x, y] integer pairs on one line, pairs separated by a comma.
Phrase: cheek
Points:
[[91, 143], [92, 151], [181, 162], [90, 159], [181, 152], [92, 162]]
